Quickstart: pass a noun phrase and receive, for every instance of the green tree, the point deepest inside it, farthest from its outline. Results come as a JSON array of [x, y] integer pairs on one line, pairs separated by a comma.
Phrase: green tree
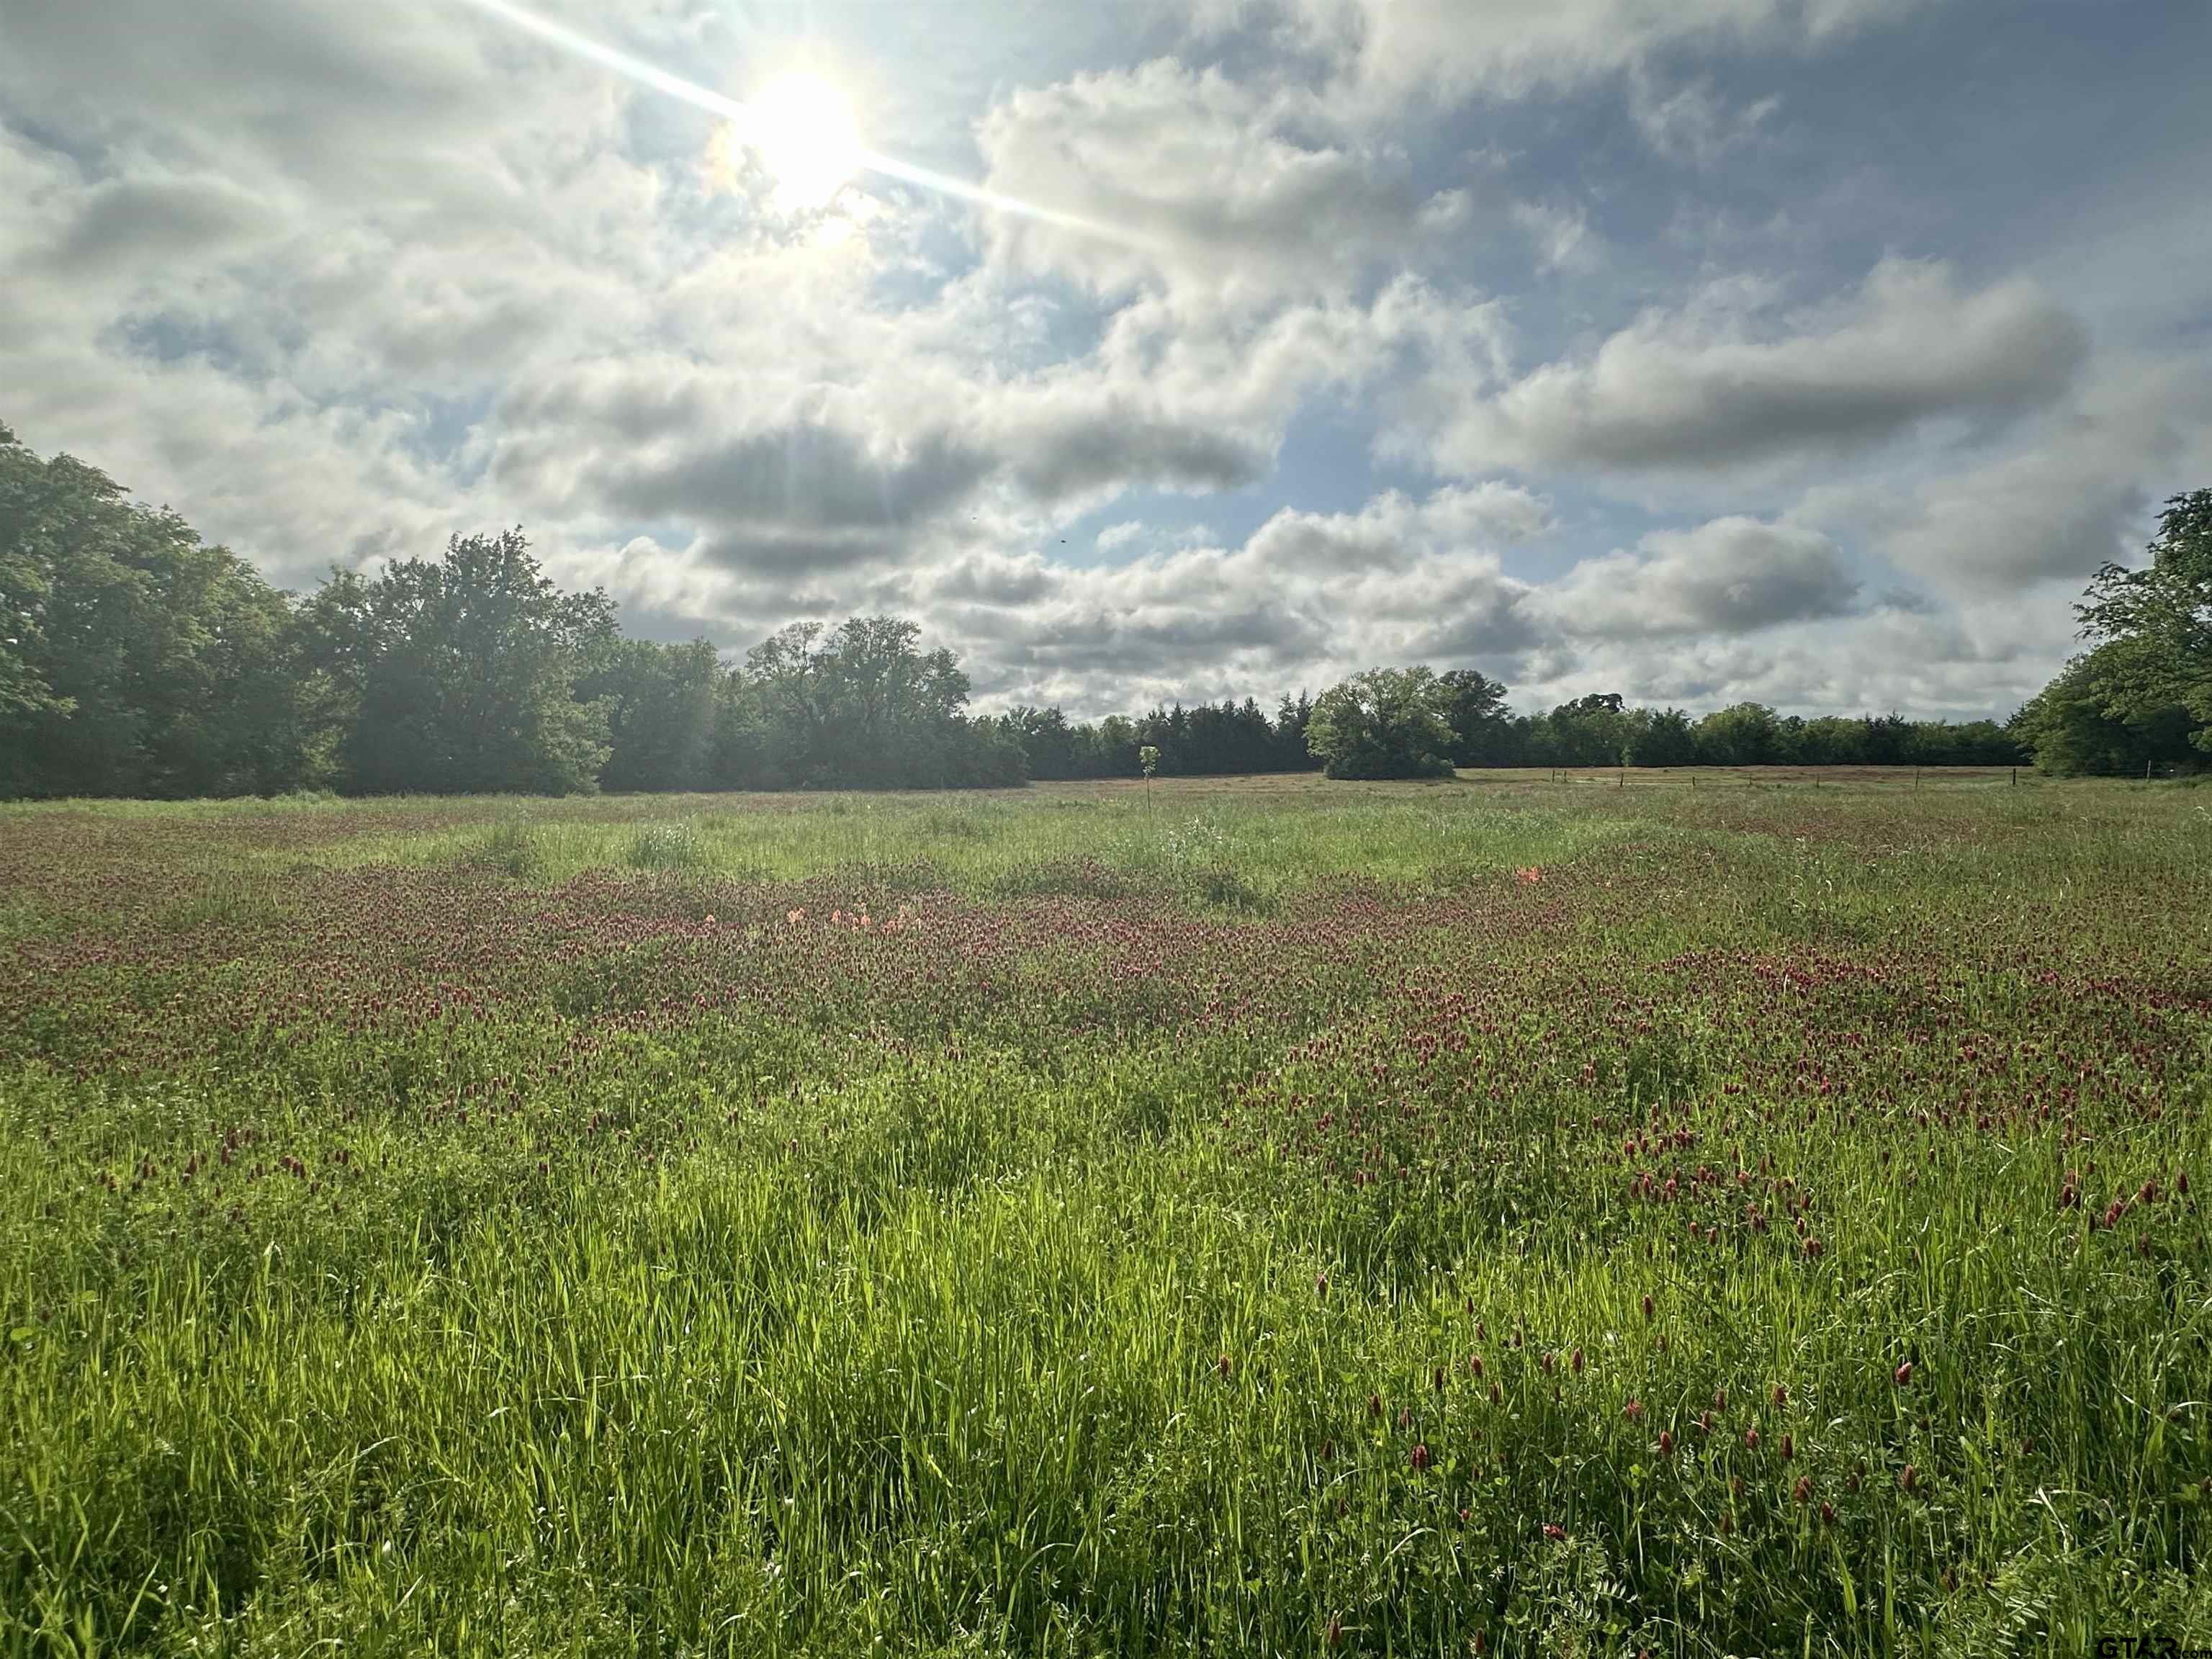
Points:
[[1474, 704], [660, 704], [1659, 737], [2152, 626], [2071, 729], [468, 671], [135, 659], [1746, 734], [1384, 723], [863, 706], [1592, 731]]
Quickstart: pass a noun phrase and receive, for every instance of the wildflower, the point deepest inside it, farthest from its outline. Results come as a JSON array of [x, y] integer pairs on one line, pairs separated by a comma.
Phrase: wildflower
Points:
[[1909, 1477], [1781, 1393], [1827, 1513], [1751, 1437], [1575, 1363], [1530, 875], [1225, 1365], [1903, 1374], [1633, 1411], [1789, 1446], [710, 918], [1554, 1533], [1813, 1246], [1375, 1405], [1647, 1306], [1420, 1458], [1474, 1363], [1666, 1443]]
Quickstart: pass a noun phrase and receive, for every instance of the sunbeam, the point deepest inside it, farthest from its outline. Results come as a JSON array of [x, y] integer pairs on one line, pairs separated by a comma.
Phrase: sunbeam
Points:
[[760, 128]]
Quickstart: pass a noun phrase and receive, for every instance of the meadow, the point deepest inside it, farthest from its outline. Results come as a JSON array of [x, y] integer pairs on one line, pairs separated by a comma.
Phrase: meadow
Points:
[[1497, 1216]]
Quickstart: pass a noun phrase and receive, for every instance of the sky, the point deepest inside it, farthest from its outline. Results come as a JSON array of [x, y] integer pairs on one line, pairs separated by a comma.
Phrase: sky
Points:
[[1810, 352]]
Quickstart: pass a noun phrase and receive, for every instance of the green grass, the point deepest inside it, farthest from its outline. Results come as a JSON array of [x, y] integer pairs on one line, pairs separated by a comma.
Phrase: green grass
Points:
[[1068, 1223]]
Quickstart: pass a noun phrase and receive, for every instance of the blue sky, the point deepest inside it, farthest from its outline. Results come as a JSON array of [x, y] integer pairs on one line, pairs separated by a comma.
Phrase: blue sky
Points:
[[1809, 351]]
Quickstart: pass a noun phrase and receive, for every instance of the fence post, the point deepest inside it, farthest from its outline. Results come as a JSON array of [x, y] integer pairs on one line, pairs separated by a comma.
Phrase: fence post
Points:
[[2015, 777]]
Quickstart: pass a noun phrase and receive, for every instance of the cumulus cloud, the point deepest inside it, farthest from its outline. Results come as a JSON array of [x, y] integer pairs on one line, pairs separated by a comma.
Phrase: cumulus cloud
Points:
[[1203, 180], [1729, 576], [1724, 383], [1383, 50], [2061, 495]]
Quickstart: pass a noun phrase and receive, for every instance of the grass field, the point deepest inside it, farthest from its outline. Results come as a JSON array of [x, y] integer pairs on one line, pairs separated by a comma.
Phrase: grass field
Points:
[[1495, 1216]]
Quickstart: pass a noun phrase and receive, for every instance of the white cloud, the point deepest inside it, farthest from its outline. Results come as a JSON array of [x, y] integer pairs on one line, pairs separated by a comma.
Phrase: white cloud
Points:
[[1725, 382], [1384, 50], [1202, 181], [1727, 577]]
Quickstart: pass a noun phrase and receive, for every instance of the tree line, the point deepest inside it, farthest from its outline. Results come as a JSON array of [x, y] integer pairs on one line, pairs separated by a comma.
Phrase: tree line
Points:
[[137, 660]]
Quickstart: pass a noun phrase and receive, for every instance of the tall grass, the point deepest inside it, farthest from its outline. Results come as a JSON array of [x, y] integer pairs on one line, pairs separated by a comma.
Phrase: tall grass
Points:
[[1060, 1226]]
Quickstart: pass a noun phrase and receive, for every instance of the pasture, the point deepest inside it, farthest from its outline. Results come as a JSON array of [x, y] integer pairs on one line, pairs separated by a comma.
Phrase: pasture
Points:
[[1499, 1217]]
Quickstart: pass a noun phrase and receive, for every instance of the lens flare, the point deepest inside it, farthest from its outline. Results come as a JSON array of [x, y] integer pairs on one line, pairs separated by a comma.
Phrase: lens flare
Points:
[[747, 120]]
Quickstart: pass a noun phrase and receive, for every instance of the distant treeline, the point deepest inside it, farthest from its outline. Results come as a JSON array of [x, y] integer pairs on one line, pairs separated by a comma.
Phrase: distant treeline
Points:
[[136, 660], [1597, 731]]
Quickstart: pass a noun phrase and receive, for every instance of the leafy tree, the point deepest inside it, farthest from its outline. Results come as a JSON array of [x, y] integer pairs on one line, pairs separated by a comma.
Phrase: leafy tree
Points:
[[468, 669], [134, 659], [2153, 625], [27, 577], [660, 705], [1384, 723], [2071, 729], [863, 707], [1747, 734], [1051, 748], [1592, 731], [1661, 737], [1112, 748], [1475, 706]]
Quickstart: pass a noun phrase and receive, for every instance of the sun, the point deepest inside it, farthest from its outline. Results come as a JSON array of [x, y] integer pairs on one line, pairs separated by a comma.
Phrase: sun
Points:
[[802, 129]]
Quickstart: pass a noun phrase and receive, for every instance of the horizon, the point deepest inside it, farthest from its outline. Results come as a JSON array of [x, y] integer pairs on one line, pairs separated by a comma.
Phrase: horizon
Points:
[[1810, 353]]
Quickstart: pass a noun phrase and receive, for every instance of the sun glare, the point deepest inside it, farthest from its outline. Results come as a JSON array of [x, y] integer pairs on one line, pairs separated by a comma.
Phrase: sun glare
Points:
[[802, 129]]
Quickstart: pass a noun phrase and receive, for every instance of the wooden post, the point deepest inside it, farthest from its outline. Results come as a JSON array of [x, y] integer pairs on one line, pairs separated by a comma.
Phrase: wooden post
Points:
[[2015, 777]]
